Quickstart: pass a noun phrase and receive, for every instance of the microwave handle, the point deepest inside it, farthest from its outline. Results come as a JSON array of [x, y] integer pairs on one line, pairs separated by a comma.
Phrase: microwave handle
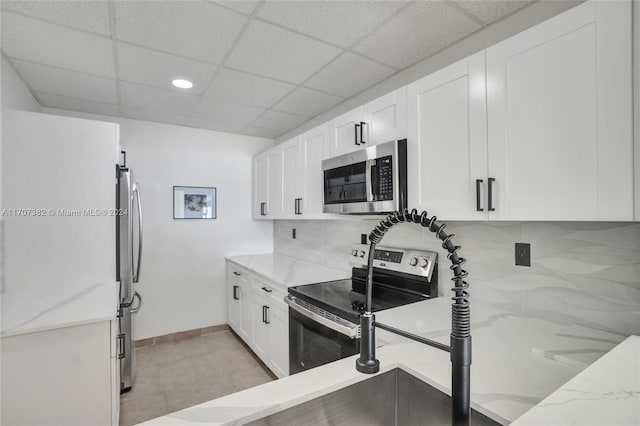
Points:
[[372, 180]]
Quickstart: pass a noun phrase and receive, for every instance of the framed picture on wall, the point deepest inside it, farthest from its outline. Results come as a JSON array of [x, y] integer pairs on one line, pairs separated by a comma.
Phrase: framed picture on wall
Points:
[[194, 202]]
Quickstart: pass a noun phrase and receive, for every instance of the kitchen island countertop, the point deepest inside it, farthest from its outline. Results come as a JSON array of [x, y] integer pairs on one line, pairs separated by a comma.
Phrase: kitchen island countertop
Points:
[[46, 309], [508, 377]]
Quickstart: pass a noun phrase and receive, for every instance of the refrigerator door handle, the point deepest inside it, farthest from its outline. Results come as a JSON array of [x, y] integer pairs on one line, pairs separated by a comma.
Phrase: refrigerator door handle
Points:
[[136, 275], [136, 295]]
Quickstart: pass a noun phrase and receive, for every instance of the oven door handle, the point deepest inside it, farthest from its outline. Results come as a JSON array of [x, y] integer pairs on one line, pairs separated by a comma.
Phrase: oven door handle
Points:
[[351, 330]]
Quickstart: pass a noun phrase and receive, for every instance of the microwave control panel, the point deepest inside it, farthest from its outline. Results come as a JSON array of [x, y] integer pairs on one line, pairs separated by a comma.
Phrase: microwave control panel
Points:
[[383, 170]]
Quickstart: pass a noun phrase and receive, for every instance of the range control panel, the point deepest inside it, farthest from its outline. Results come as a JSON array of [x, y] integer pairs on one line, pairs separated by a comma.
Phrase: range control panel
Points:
[[408, 261]]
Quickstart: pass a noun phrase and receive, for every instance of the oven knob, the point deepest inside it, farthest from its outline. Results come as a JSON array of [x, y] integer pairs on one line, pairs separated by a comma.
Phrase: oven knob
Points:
[[361, 253], [424, 262], [354, 252], [413, 261]]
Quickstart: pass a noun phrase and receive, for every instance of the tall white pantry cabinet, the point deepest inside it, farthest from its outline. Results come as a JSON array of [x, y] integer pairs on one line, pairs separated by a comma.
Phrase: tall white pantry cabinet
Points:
[[59, 340]]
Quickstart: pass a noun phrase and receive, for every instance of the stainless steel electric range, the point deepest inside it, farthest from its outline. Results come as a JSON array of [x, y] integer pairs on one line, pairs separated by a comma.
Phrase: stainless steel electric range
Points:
[[324, 323]]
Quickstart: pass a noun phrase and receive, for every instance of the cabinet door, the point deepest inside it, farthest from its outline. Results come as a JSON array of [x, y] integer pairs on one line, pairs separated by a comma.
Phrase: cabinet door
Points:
[[275, 207], [385, 118], [559, 114], [290, 178], [233, 298], [314, 145], [346, 136], [447, 144], [260, 185], [260, 328], [245, 329], [279, 333]]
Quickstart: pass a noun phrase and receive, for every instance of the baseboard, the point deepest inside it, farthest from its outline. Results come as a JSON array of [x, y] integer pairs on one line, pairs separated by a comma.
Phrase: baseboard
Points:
[[173, 337]]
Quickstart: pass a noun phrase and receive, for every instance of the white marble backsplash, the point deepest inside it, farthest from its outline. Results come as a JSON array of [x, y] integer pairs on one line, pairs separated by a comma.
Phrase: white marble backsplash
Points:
[[585, 273]]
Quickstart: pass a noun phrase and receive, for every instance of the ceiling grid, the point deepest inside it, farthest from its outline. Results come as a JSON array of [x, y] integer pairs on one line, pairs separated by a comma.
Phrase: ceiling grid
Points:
[[259, 67]]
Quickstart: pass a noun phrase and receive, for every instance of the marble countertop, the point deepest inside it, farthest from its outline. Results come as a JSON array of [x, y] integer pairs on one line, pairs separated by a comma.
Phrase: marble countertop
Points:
[[605, 393], [32, 311], [508, 376], [287, 271]]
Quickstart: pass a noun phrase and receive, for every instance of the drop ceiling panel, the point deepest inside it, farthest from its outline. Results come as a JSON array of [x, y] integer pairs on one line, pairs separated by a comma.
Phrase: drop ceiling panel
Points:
[[37, 41], [73, 104], [150, 98], [273, 52], [416, 33], [278, 121], [492, 10], [242, 6], [338, 22], [197, 30], [248, 89], [349, 75], [221, 126], [258, 67], [257, 131], [307, 102], [157, 116], [57, 81], [92, 16], [228, 112], [153, 68]]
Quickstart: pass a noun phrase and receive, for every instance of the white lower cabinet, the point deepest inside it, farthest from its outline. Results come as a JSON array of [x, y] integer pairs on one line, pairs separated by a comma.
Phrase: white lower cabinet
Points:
[[258, 314], [239, 301], [65, 376]]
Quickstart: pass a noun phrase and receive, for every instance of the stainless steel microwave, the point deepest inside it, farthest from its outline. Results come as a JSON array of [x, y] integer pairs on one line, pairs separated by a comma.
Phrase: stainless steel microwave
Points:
[[367, 181]]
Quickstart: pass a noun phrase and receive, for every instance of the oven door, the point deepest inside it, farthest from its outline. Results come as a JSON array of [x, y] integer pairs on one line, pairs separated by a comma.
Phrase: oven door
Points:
[[312, 344]]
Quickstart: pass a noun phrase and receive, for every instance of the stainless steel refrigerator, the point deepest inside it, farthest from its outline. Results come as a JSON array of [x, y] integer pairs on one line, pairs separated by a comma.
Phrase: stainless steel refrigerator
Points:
[[129, 244]]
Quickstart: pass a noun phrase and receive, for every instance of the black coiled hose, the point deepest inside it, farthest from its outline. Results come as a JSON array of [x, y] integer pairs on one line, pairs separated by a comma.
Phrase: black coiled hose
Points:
[[461, 317]]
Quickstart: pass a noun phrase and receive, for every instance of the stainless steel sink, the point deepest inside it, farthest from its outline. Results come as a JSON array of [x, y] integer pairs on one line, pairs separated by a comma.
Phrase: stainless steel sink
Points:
[[392, 398]]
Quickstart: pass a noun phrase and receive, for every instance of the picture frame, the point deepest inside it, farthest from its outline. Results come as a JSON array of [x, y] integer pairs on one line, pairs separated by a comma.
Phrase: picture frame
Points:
[[194, 202]]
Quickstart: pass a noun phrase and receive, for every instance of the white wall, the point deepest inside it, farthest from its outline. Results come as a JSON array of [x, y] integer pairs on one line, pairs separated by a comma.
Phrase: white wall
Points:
[[183, 280], [15, 93]]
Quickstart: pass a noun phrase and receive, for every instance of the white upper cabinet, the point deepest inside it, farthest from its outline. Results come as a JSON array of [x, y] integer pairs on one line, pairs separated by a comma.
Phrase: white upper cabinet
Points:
[[447, 141], [290, 173], [260, 185], [381, 120], [385, 119], [314, 146], [275, 205], [559, 118], [346, 132]]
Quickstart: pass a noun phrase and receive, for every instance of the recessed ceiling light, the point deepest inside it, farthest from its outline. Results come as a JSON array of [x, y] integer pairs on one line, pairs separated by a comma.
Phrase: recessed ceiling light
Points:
[[182, 84]]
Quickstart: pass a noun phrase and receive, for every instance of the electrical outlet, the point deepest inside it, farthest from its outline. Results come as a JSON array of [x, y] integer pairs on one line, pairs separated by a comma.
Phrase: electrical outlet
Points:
[[363, 238], [293, 233], [523, 254]]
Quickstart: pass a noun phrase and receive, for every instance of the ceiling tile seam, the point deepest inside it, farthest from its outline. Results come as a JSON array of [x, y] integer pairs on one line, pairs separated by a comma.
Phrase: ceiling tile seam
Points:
[[455, 6], [342, 48], [15, 69], [348, 48], [60, 68], [162, 88], [234, 44], [57, 24], [74, 98], [164, 52], [114, 48], [224, 6]]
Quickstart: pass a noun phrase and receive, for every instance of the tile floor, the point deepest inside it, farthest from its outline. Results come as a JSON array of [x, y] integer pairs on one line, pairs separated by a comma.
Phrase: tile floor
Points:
[[178, 374]]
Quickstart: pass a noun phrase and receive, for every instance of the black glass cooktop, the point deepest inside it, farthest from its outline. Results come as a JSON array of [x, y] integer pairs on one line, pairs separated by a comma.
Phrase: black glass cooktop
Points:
[[340, 298]]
